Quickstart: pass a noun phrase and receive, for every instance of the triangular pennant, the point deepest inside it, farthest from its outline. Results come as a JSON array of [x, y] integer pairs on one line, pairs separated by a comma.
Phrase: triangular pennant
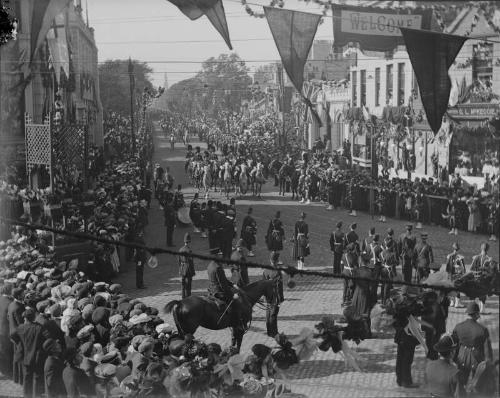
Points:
[[43, 14], [293, 33], [213, 9], [431, 55]]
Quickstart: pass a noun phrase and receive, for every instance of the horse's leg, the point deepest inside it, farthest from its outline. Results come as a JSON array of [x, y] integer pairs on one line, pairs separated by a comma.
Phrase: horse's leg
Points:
[[237, 338]]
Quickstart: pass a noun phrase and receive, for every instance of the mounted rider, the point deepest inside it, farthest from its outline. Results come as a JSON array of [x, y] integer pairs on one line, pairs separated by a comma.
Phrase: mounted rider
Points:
[[223, 290]]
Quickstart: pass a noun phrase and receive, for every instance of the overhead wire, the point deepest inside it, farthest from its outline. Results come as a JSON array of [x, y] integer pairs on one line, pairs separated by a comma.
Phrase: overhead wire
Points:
[[292, 271]]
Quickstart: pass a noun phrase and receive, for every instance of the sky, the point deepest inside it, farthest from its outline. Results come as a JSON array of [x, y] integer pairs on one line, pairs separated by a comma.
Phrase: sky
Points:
[[156, 32]]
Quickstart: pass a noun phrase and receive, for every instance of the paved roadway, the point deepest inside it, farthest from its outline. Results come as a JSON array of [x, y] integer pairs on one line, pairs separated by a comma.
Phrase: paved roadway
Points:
[[325, 374]]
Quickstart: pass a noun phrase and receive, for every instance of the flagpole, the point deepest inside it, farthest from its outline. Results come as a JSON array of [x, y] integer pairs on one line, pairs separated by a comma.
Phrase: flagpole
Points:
[[132, 121]]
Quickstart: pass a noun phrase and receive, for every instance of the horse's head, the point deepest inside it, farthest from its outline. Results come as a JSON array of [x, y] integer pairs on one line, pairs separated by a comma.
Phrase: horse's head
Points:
[[266, 288]]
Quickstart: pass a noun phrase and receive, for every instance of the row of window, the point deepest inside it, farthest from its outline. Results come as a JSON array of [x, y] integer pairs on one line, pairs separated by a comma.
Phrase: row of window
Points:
[[389, 75]]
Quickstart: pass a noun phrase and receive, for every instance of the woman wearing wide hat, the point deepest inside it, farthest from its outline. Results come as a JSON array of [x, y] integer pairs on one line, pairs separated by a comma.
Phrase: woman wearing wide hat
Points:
[[301, 241]]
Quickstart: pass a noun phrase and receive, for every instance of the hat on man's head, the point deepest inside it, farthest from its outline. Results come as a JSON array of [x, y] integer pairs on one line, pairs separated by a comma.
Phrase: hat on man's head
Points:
[[339, 224], [49, 345], [472, 308], [445, 344], [424, 235], [409, 226], [354, 225]]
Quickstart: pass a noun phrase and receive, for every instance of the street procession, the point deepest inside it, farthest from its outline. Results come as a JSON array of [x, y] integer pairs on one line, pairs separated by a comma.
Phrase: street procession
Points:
[[266, 198]]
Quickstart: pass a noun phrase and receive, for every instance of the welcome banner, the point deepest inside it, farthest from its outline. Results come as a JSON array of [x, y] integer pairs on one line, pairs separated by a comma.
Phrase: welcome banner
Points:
[[375, 29]]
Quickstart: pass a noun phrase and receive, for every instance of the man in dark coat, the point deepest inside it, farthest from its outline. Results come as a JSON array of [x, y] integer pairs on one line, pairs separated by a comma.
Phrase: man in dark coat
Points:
[[186, 267], [210, 218], [352, 237], [6, 352], [425, 257], [351, 262], [248, 231], [239, 272], [53, 369], [29, 336], [140, 259], [170, 217], [15, 315], [337, 239], [76, 382], [406, 249], [365, 245], [362, 298], [274, 307]]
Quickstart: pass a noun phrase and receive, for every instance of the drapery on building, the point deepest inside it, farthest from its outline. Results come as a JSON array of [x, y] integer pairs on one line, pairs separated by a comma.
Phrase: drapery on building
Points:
[[32, 88]]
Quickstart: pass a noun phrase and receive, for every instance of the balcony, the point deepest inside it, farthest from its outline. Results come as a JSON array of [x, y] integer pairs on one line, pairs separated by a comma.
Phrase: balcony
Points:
[[337, 94]]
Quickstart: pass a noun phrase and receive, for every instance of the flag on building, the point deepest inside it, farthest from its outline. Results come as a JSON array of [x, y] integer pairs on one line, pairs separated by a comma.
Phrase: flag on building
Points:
[[431, 55], [212, 9], [44, 12], [58, 46]]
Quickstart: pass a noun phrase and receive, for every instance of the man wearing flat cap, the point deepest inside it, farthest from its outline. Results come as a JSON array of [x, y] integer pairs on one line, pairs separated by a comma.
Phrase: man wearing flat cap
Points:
[[442, 375], [186, 267], [474, 344], [337, 239], [29, 337]]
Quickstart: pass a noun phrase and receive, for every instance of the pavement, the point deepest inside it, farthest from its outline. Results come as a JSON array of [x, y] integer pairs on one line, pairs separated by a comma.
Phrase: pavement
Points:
[[325, 374]]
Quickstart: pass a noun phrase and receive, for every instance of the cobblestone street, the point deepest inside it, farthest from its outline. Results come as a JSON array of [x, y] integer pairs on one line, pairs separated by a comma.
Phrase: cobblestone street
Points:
[[325, 374]]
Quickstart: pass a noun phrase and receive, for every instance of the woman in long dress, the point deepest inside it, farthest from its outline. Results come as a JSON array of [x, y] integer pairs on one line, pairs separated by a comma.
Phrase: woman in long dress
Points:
[[301, 241]]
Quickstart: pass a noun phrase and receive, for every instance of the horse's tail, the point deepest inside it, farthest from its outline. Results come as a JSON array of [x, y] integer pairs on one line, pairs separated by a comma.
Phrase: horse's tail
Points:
[[171, 305]]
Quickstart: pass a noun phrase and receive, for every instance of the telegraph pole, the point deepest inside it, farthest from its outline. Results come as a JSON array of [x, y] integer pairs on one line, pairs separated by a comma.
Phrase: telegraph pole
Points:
[[132, 89]]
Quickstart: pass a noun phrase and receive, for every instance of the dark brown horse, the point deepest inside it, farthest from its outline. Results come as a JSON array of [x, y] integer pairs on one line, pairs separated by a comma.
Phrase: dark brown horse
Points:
[[195, 311]]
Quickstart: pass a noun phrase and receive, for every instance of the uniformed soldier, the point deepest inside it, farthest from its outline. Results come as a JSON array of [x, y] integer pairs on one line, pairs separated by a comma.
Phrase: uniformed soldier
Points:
[[365, 245], [406, 250], [389, 256], [425, 257], [352, 237], [375, 253], [274, 307], [239, 272], [221, 288], [195, 213], [170, 218], [337, 239], [210, 216], [482, 264], [275, 235], [350, 263], [474, 345], [248, 232], [455, 267], [493, 210], [186, 267], [443, 375], [301, 241]]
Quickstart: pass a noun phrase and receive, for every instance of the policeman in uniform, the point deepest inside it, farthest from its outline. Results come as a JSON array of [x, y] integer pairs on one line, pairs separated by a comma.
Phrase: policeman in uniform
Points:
[[274, 306], [455, 267], [186, 267], [376, 263], [337, 239], [442, 375], [239, 272], [351, 262], [482, 264], [406, 250], [425, 257]]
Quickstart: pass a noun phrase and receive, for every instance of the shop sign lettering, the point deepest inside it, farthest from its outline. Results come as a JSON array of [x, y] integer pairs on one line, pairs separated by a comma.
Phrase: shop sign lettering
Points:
[[378, 24]]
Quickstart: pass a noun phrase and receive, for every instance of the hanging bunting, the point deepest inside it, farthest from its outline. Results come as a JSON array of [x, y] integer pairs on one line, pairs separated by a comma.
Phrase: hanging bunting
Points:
[[431, 55], [58, 46], [44, 12], [375, 29], [293, 33], [212, 9]]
